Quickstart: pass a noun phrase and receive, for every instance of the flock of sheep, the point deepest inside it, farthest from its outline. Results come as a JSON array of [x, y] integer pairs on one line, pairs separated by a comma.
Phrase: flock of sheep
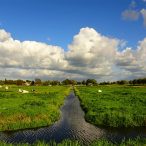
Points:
[[20, 90], [25, 91], [6, 87]]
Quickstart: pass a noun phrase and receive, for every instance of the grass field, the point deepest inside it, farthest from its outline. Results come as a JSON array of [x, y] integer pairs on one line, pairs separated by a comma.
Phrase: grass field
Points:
[[116, 106], [101, 142], [41, 108]]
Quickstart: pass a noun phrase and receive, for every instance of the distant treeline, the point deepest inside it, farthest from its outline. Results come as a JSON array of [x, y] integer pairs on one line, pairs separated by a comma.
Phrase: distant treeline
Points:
[[141, 81], [89, 82]]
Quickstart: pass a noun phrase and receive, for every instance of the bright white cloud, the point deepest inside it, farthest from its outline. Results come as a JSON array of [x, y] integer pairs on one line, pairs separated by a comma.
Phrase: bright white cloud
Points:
[[90, 55], [4, 35], [98, 56], [28, 55], [89, 51], [133, 61]]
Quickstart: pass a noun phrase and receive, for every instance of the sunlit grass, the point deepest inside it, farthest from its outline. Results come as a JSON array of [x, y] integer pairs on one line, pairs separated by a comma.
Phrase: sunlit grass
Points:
[[41, 108], [116, 106], [100, 142]]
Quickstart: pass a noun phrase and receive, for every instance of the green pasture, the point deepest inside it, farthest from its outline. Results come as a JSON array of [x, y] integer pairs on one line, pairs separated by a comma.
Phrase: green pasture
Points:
[[115, 106], [33, 109], [100, 142]]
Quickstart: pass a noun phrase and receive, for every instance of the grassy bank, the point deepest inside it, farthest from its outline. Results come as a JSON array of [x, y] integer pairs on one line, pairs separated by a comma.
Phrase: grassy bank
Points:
[[101, 142], [115, 106], [34, 109]]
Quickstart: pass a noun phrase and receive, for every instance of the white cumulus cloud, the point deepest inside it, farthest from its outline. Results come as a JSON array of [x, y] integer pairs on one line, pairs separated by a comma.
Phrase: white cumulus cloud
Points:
[[89, 51], [16, 56], [90, 55], [4, 35]]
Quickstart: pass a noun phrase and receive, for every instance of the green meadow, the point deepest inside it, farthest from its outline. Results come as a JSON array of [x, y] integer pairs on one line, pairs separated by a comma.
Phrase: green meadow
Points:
[[115, 106], [100, 142], [33, 109]]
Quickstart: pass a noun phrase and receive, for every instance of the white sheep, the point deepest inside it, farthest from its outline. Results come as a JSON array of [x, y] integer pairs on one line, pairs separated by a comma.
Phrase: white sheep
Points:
[[6, 88], [99, 91], [25, 91], [20, 91], [1, 86]]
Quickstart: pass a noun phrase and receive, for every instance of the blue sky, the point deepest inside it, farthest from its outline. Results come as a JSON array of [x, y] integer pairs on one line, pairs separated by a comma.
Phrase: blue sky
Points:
[[60, 20], [78, 39]]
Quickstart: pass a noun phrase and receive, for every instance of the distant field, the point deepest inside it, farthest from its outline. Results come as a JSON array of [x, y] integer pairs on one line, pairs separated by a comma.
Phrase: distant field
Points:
[[41, 108], [116, 106]]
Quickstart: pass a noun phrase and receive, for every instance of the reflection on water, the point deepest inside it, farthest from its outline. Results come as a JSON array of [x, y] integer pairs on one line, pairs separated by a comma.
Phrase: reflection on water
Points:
[[118, 134], [72, 125]]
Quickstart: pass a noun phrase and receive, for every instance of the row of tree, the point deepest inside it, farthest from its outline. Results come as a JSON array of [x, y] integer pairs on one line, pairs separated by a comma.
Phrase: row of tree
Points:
[[141, 81], [89, 82], [38, 81]]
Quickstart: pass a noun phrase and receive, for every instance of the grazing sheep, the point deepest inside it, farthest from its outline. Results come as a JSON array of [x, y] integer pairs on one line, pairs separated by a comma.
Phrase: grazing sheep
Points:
[[20, 91], [1, 86], [99, 91], [25, 91], [6, 88]]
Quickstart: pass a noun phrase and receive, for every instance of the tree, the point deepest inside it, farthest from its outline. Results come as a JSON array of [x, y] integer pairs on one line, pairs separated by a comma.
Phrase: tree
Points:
[[66, 82], [28, 81], [38, 81], [122, 82], [32, 83], [73, 82], [46, 83], [9, 82], [55, 82], [91, 81], [105, 83], [84, 82], [19, 82], [79, 83], [1, 82]]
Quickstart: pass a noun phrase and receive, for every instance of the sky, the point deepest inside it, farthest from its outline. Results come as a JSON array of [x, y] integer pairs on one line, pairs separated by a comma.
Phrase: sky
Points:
[[76, 39]]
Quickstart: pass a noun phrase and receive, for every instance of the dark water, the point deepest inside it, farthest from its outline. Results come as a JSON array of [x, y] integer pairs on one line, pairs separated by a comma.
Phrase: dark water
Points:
[[72, 125]]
